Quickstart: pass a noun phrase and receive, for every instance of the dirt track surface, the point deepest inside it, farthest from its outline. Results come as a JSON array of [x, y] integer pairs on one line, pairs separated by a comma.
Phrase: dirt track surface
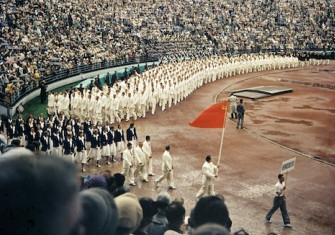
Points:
[[302, 120]]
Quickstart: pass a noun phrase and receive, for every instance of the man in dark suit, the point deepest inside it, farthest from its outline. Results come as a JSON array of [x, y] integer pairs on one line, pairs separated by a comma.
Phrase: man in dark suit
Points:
[[240, 114], [69, 145], [43, 94], [12, 132], [96, 147], [108, 79], [114, 78], [97, 82], [131, 135], [45, 142], [57, 143], [81, 150], [125, 74]]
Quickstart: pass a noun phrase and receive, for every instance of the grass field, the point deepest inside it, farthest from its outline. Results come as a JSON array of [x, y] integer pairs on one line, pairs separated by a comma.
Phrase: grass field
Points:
[[35, 107]]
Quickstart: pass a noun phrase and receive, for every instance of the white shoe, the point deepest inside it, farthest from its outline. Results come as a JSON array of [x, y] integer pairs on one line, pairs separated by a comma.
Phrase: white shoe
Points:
[[98, 165], [268, 221], [83, 170], [172, 187], [132, 184], [108, 163], [288, 225]]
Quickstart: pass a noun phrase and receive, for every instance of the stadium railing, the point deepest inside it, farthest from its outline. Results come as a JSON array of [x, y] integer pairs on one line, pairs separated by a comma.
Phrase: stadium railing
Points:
[[63, 73]]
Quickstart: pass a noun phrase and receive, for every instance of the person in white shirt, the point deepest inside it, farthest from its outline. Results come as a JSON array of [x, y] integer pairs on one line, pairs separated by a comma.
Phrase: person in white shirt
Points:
[[279, 202], [232, 101], [51, 102], [142, 104], [74, 103], [210, 172], [167, 168], [82, 107], [122, 105], [130, 107], [97, 110], [128, 164], [153, 100], [114, 107], [64, 104], [148, 154], [140, 162]]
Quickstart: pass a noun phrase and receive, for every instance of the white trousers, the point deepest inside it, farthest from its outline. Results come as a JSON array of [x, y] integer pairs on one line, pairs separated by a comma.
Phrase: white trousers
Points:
[[206, 189], [168, 175]]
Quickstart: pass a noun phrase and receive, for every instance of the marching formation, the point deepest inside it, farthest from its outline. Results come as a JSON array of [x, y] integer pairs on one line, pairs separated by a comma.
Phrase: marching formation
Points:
[[82, 142], [72, 139], [80, 124], [163, 85]]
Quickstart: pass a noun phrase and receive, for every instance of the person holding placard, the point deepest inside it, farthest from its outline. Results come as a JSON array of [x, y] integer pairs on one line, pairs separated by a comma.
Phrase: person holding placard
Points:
[[279, 202]]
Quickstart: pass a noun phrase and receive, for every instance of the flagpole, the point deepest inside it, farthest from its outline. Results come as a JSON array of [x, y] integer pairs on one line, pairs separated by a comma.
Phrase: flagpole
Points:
[[222, 135]]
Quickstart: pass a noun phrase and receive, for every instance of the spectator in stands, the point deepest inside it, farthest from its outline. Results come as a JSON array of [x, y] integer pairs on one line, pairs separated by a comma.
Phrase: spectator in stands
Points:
[[31, 42]]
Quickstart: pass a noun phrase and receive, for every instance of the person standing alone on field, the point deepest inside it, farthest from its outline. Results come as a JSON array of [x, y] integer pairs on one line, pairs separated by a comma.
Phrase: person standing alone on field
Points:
[[240, 114], [279, 202]]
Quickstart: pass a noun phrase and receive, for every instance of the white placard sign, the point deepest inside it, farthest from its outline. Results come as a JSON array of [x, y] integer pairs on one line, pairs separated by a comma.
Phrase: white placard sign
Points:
[[288, 165]]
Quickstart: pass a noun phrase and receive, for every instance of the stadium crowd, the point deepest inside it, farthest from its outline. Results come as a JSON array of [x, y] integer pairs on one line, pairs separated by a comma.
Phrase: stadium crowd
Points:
[[56, 204], [44, 37]]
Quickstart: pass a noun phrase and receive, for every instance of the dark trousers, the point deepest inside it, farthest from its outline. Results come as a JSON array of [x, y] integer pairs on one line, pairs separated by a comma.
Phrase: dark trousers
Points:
[[279, 202], [240, 120]]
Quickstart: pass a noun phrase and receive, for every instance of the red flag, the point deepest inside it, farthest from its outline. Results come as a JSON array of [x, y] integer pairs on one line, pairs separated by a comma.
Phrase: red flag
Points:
[[213, 117]]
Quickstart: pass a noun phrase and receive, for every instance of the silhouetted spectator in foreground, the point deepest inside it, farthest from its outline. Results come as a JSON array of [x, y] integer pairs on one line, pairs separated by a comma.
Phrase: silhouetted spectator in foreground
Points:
[[102, 180], [163, 201], [130, 213], [210, 209], [118, 187], [100, 215], [149, 208], [211, 229], [175, 213], [38, 195]]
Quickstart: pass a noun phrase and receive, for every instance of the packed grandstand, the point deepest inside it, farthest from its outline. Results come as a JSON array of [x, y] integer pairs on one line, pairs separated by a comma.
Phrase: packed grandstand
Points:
[[40, 39]]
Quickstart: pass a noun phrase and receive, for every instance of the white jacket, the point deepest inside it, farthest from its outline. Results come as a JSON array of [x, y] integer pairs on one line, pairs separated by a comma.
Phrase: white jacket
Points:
[[127, 158], [209, 170], [167, 161]]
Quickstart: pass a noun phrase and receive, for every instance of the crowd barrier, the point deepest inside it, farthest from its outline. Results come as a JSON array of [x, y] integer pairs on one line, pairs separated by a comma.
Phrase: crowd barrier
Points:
[[61, 77]]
